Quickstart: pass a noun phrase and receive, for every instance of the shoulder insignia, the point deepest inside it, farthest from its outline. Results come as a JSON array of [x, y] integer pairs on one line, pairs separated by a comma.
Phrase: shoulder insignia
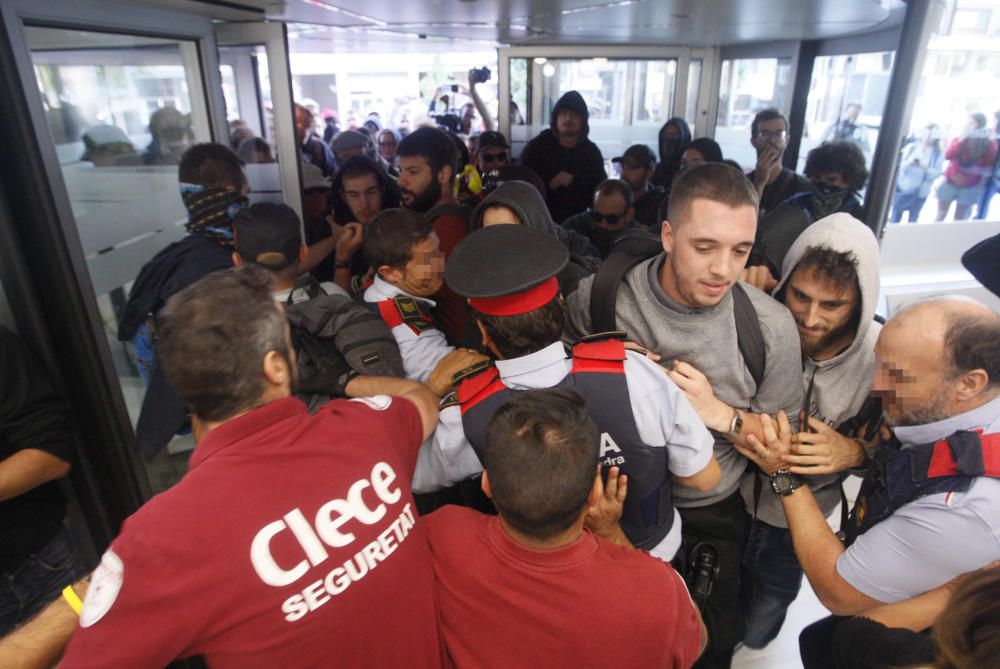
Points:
[[410, 314], [449, 400]]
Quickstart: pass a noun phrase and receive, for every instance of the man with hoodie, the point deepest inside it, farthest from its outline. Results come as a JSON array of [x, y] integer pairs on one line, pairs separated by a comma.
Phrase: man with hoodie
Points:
[[520, 203], [831, 285], [675, 135], [569, 163]]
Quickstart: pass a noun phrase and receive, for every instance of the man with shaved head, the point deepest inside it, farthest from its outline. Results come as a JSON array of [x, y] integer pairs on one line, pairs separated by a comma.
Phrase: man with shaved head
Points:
[[929, 506]]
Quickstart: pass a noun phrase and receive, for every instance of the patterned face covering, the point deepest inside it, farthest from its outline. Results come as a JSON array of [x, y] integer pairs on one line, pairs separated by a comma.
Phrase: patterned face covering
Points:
[[211, 211], [827, 199]]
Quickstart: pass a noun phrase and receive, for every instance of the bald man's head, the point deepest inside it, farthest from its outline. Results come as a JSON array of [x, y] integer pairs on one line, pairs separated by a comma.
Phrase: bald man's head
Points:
[[938, 358]]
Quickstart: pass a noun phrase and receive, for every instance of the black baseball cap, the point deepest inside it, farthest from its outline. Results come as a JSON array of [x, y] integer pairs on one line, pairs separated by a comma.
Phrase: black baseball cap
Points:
[[268, 235], [638, 153], [506, 270], [492, 138]]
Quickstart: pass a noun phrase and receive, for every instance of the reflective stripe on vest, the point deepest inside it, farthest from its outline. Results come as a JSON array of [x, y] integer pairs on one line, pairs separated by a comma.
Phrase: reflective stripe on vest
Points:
[[598, 376]]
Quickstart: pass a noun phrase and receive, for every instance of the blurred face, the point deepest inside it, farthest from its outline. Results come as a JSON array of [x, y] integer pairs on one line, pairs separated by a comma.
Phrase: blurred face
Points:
[[635, 175], [419, 189], [387, 145], [569, 124], [707, 249], [363, 196], [822, 312], [770, 134], [424, 273], [611, 212], [500, 216], [909, 375], [691, 157]]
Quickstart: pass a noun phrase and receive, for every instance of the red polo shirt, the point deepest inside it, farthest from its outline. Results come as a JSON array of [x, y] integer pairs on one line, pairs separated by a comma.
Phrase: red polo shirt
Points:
[[588, 604], [291, 542]]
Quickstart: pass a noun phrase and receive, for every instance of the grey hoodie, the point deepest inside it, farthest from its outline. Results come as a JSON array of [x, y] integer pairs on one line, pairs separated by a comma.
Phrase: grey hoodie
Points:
[[843, 382], [527, 204]]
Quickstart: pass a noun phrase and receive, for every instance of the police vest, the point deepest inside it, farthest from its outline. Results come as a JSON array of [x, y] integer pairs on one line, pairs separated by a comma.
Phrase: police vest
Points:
[[897, 476], [598, 376]]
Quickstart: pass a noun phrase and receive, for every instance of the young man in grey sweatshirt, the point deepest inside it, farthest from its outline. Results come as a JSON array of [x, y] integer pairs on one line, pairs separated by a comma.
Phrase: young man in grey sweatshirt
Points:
[[830, 283], [679, 304]]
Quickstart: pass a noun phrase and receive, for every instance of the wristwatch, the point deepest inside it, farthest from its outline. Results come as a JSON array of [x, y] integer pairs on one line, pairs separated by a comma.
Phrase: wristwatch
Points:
[[784, 483], [736, 425]]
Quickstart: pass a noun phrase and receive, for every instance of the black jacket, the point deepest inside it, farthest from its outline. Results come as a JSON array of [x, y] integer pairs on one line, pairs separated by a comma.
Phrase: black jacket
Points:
[[548, 157]]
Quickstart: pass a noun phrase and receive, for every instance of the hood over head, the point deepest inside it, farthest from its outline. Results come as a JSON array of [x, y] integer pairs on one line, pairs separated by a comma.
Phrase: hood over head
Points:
[[674, 155], [572, 101], [842, 233], [524, 200]]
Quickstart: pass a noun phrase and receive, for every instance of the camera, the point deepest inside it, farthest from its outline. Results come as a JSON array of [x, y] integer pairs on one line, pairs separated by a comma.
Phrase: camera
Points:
[[480, 75]]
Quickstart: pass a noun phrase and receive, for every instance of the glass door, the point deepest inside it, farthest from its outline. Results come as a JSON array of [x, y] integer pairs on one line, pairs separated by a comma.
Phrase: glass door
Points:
[[116, 94], [256, 81]]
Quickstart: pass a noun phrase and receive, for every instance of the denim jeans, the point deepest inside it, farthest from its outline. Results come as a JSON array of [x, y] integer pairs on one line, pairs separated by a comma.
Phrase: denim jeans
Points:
[[38, 580], [770, 582]]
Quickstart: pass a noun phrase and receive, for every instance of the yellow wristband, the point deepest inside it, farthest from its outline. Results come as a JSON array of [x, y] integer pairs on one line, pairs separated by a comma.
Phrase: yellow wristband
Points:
[[73, 599]]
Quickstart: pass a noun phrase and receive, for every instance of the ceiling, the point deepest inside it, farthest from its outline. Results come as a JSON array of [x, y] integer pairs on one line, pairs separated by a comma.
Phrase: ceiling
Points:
[[472, 24]]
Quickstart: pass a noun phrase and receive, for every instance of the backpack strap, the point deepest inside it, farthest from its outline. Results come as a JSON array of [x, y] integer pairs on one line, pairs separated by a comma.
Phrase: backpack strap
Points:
[[307, 283], [749, 337], [604, 291]]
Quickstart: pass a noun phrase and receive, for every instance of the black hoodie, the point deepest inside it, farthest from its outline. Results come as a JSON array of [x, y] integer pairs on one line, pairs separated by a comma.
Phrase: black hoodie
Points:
[[670, 156], [548, 157]]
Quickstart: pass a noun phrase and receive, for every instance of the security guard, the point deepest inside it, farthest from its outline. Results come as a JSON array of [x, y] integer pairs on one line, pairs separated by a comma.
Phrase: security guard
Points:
[[649, 429]]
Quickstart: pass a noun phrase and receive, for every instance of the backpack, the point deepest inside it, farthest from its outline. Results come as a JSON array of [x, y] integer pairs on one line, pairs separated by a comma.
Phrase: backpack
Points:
[[630, 249], [335, 338]]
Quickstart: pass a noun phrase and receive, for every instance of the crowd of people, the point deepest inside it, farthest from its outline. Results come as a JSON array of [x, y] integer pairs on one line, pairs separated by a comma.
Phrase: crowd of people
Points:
[[488, 413]]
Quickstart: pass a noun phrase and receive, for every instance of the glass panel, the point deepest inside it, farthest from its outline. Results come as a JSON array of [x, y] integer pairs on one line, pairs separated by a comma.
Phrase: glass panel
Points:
[[121, 112], [846, 97], [747, 86], [628, 99], [693, 88], [948, 167], [247, 91]]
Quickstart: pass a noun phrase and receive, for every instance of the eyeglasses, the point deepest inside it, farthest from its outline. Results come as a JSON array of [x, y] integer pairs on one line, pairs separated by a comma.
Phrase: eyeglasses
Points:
[[768, 134], [610, 219], [493, 157]]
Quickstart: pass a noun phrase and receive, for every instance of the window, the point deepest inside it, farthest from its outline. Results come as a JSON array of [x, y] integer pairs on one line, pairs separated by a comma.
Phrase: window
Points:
[[747, 86], [628, 100], [955, 113]]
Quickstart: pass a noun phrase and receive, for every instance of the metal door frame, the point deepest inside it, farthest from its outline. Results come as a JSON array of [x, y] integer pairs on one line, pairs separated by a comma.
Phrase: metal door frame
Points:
[[273, 36]]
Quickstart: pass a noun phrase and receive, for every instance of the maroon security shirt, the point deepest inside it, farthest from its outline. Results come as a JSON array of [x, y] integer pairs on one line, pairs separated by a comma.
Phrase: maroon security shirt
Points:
[[291, 542]]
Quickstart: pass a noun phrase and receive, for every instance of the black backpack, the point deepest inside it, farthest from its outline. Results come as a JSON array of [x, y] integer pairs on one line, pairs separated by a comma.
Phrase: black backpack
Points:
[[334, 338], [630, 249]]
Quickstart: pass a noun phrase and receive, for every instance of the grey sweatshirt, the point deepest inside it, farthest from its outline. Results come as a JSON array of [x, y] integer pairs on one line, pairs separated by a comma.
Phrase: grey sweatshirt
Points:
[[843, 382], [706, 338]]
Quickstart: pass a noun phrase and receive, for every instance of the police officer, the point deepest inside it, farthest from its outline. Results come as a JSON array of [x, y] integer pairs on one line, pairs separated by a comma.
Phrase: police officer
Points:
[[649, 429]]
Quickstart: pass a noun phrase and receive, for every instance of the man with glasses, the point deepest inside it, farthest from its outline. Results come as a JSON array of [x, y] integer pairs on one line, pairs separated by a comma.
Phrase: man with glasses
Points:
[[637, 166], [774, 183], [612, 214]]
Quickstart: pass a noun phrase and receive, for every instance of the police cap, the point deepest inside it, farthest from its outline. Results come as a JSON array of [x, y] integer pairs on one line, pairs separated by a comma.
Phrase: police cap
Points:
[[506, 270]]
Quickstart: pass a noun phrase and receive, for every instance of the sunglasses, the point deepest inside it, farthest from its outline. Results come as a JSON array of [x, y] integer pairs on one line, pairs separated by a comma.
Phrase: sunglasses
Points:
[[493, 157], [610, 219]]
